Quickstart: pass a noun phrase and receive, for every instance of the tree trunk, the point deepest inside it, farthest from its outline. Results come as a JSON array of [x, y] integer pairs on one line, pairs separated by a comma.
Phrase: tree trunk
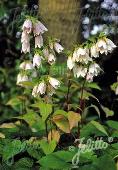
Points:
[[62, 19]]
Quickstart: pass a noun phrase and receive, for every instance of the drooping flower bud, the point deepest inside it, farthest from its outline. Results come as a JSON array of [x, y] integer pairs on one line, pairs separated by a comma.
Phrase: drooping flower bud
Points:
[[37, 60], [51, 59], [58, 47], [70, 63], [38, 41]]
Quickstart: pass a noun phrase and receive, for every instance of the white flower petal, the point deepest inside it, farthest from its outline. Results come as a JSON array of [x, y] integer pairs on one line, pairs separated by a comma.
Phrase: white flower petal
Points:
[[37, 60], [39, 28], [70, 63], [27, 26], [54, 82], [38, 41]]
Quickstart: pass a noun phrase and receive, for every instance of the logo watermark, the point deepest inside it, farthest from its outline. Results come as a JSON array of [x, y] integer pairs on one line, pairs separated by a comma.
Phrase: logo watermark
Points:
[[88, 146]]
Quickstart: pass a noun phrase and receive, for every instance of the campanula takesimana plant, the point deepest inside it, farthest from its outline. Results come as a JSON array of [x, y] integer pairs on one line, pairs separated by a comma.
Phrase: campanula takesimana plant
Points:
[[81, 64]]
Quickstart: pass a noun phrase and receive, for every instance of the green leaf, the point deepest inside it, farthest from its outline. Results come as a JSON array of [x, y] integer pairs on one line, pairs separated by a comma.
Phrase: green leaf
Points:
[[114, 86], [23, 163], [13, 148], [58, 160], [86, 111], [45, 110], [33, 119], [48, 147], [14, 102], [90, 130], [104, 162], [107, 111], [61, 112], [34, 153], [99, 127], [93, 86], [115, 145], [113, 124]]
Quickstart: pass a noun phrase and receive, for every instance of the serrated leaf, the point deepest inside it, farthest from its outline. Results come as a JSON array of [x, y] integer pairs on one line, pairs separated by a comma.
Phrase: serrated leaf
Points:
[[99, 127], [73, 118], [62, 123], [13, 148], [23, 163]]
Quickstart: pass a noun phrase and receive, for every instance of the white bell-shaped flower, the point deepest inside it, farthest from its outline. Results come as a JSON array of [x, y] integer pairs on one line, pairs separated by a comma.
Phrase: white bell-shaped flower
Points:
[[42, 88], [94, 51], [39, 28], [110, 45], [25, 47], [70, 63], [26, 65], [54, 82], [39, 89], [25, 37], [94, 69], [27, 26], [38, 41], [79, 71], [51, 59], [21, 78], [58, 47], [81, 55], [102, 46], [37, 60], [116, 91]]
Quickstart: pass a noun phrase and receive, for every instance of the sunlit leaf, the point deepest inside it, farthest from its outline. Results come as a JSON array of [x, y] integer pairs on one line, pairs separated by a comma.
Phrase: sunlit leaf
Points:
[[62, 123], [54, 135], [45, 110], [73, 118], [2, 135], [61, 112]]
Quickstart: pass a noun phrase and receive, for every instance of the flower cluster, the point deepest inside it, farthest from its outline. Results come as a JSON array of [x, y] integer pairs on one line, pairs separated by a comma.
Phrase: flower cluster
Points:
[[41, 88], [81, 61], [41, 53]]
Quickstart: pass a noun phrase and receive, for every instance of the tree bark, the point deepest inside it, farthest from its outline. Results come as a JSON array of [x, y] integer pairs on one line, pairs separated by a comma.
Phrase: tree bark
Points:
[[62, 20]]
